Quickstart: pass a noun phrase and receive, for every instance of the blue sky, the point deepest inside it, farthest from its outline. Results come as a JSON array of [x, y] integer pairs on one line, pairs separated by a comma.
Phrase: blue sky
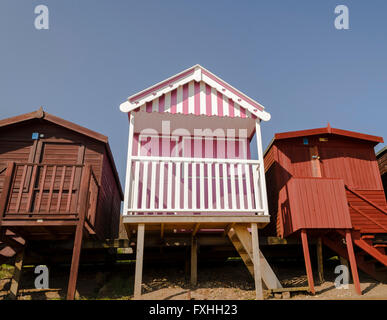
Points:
[[285, 54]]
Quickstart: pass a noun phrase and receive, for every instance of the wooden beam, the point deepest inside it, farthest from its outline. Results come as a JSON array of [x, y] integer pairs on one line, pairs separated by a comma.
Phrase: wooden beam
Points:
[[162, 231], [227, 229], [352, 261], [6, 188], [256, 262], [308, 265], [195, 230], [139, 260], [320, 260], [83, 206], [194, 261], [15, 282]]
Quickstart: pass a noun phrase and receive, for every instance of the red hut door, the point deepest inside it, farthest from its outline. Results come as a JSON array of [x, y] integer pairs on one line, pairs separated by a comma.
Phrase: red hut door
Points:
[[315, 161]]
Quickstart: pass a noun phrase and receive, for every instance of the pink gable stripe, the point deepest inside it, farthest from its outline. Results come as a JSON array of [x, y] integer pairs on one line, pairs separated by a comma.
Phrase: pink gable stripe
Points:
[[230, 108], [173, 101], [208, 101], [197, 98], [220, 104], [161, 103], [161, 85], [232, 90], [242, 112], [149, 106], [185, 98]]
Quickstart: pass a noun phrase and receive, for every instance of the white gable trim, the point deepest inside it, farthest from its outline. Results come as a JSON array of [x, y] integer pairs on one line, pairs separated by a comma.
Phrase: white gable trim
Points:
[[238, 97]]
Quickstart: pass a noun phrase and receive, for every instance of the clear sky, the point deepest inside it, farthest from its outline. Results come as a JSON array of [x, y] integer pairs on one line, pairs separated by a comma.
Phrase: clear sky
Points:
[[285, 54]]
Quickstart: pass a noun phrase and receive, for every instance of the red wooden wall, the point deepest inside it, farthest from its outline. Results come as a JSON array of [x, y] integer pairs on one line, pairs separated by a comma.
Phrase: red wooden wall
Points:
[[352, 160]]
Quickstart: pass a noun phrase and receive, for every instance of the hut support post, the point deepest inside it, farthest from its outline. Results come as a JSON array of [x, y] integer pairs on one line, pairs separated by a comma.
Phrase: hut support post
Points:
[[6, 188], [83, 206], [16, 278], [194, 261], [308, 265], [256, 262], [139, 260], [352, 261], [320, 263]]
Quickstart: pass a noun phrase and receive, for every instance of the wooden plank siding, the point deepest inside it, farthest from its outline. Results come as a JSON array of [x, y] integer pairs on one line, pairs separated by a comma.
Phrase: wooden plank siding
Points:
[[363, 215], [316, 203], [349, 157], [48, 170], [108, 201], [382, 162]]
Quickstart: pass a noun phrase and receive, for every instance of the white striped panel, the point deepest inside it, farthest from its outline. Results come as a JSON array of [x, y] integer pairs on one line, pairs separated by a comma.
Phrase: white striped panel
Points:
[[161, 185], [191, 102], [144, 185], [214, 102], [202, 95], [155, 105], [225, 106], [248, 186], [179, 107], [167, 104], [237, 112], [209, 178], [169, 192], [191, 98], [177, 186], [153, 185]]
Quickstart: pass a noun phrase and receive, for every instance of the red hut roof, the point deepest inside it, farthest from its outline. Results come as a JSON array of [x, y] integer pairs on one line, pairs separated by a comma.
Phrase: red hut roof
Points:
[[328, 130]]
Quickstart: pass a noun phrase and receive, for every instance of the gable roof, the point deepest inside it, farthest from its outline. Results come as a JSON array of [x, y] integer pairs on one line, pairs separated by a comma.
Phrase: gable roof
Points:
[[328, 130], [198, 74], [41, 114]]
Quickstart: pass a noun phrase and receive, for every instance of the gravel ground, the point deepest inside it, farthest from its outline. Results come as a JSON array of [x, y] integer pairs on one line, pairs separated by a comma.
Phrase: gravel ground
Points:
[[228, 281]]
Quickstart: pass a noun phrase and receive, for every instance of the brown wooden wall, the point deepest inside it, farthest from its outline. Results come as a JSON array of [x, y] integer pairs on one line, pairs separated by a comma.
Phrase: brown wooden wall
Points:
[[382, 161], [60, 145], [349, 159]]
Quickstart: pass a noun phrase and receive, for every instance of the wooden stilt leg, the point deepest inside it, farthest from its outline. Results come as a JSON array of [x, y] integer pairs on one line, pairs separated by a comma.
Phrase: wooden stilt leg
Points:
[[352, 261], [16, 278], [320, 261], [256, 262], [139, 260], [187, 263], [83, 206], [194, 261], [75, 262], [308, 265]]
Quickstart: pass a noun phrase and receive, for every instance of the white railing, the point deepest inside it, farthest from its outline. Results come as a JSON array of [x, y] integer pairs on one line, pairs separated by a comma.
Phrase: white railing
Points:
[[194, 185]]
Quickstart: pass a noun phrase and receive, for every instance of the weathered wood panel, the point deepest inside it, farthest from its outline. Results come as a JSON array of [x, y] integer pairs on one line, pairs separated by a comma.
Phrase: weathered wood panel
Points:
[[58, 193], [347, 158]]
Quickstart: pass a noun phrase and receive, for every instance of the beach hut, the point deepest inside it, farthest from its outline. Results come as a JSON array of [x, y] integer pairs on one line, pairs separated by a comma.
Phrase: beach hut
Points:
[[325, 183], [189, 170], [58, 181]]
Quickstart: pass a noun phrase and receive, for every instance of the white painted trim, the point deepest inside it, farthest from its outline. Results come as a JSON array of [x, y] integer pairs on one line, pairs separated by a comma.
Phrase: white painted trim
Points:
[[129, 163], [262, 179], [197, 160], [184, 218]]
